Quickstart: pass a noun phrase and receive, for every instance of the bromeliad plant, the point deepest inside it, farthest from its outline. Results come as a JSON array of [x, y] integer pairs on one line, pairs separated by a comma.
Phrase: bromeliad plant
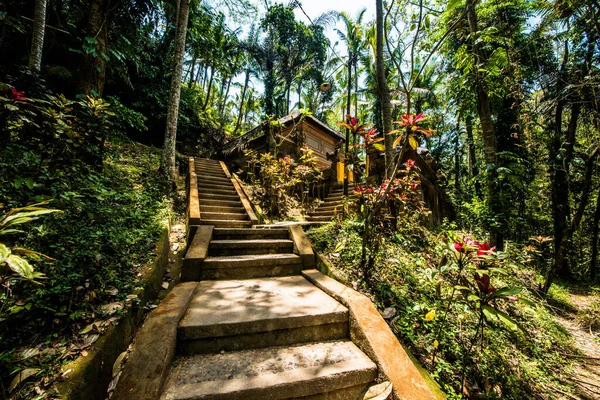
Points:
[[469, 274]]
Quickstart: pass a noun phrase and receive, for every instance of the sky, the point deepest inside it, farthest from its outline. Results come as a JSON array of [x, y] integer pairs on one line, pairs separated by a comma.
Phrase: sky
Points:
[[314, 8]]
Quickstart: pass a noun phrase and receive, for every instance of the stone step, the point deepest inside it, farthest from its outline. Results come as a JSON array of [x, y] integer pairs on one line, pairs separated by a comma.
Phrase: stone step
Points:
[[323, 213], [217, 196], [228, 203], [221, 209], [329, 208], [213, 181], [222, 190], [209, 186], [228, 216], [331, 203], [237, 314], [319, 218], [211, 172], [251, 266], [225, 223], [237, 234], [335, 370], [252, 246]]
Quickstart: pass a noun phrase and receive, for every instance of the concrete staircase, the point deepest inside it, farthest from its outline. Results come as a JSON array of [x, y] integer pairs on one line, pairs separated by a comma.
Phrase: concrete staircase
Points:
[[329, 208], [220, 204], [255, 328]]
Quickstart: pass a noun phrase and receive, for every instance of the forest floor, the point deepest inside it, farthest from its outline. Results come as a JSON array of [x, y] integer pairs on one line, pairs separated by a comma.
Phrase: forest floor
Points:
[[580, 320]]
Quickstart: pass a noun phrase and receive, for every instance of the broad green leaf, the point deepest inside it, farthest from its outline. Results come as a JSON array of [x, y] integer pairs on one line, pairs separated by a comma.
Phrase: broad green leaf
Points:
[[4, 253], [494, 315], [26, 216], [21, 266], [507, 291]]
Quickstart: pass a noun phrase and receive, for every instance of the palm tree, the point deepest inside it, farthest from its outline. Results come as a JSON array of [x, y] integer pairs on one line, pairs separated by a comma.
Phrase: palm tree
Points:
[[37, 40], [168, 156]]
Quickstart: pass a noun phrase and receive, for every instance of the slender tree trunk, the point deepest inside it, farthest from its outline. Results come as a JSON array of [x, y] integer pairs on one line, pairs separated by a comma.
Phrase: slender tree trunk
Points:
[[560, 256], [299, 93], [191, 74], [457, 157], [37, 40], [490, 148], [384, 91], [209, 89], [225, 96], [595, 232], [241, 109], [168, 166], [93, 67], [348, 101]]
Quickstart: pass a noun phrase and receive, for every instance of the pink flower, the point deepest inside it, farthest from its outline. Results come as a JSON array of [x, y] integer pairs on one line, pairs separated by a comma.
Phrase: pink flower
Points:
[[414, 186], [410, 163], [353, 121]]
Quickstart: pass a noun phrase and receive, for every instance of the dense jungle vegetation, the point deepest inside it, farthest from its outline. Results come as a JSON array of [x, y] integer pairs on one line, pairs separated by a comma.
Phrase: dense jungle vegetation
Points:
[[101, 99]]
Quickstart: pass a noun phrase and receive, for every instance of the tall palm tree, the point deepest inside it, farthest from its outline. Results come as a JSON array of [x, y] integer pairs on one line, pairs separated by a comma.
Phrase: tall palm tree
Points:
[[168, 157], [37, 40]]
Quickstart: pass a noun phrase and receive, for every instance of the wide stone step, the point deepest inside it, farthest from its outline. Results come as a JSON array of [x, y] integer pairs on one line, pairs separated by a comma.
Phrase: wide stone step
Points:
[[319, 218], [217, 196], [212, 179], [228, 216], [222, 190], [212, 173], [225, 223], [331, 203], [218, 186], [250, 266], [228, 203], [221, 209], [252, 246], [335, 370], [239, 234], [253, 313], [338, 208], [323, 213]]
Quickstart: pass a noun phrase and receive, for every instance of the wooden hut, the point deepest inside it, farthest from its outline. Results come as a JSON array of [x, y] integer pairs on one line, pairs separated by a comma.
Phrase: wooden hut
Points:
[[287, 136]]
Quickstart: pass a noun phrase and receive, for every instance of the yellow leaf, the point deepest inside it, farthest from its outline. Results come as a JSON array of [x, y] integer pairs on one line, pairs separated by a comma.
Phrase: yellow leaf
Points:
[[436, 343], [393, 132], [397, 141], [430, 315], [414, 143]]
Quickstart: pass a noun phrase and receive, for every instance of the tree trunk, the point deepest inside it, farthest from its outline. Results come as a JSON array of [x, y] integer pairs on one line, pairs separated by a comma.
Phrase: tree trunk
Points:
[[595, 232], [384, 91], [490, 148], [209, 89], [225, 96], [560, 251], [37, 40], [93, 67], [348, 100], [168, 166], [191, 70], [241, 109]]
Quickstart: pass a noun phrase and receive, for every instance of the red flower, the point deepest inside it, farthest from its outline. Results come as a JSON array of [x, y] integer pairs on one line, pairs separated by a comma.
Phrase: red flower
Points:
[[411, 121], [16, 96], [414, 186], [410, 163], [484, 249], [371, 134], [458, 246]]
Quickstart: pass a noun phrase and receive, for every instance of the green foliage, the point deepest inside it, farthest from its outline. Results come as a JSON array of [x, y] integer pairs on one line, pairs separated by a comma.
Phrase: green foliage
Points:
[[277, 179], [442, 297]]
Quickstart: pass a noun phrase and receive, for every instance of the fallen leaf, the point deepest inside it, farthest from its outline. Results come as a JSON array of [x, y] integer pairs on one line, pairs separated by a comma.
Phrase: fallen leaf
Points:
[[382, 391], [28, 353], [84, 353], [389, 312], [111, 308], [117, 364], [21, 377], [165, 285], [89, 340]]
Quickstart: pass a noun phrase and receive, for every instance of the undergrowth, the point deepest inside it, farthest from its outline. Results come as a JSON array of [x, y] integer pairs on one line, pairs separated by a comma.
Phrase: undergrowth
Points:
[[412, 276], [110, 223]]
